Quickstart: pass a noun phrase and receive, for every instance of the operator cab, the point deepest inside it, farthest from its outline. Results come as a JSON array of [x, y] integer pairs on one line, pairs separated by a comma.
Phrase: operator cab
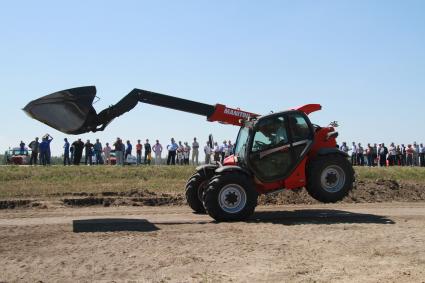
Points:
[[274, 145]]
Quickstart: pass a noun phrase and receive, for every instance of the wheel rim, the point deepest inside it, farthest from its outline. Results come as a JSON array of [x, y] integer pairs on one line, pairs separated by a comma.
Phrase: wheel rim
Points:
[[201, 190], [232, 198], [332, 179]]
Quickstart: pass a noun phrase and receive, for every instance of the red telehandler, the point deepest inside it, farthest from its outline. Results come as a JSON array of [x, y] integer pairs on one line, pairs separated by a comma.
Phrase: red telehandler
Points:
[[283, 150]]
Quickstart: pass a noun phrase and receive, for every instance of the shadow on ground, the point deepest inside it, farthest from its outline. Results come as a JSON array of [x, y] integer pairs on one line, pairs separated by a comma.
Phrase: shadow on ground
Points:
[[113, 225], [318, 216]]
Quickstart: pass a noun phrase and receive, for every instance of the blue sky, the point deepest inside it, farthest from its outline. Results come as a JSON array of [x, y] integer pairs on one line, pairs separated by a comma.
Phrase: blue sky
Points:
[[364, 61]]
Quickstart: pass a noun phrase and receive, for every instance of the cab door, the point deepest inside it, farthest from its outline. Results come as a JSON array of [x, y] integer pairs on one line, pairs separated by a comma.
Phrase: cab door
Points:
[[301, 133], [278, 144]]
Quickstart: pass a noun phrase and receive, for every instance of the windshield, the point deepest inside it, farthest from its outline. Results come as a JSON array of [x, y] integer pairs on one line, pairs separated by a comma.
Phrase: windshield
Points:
[[17, 151], [241, 142]]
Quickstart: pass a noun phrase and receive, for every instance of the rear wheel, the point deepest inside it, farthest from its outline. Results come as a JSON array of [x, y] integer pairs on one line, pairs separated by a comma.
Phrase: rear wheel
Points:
[[330, 178], [230, 197], [195, 189]]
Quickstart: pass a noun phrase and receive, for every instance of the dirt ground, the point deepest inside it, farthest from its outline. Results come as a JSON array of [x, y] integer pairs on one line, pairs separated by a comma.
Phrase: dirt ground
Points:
[[369, 242], [366, 191]]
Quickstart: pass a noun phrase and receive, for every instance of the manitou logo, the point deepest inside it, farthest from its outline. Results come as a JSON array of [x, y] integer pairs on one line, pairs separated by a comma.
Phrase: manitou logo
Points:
[[236, 113]]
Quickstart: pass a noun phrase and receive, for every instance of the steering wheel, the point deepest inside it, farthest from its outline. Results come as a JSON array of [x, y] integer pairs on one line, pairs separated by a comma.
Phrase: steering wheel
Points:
[[259, 144]]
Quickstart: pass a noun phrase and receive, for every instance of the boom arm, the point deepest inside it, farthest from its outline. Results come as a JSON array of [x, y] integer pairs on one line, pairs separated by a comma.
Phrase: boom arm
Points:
[[71, 111]]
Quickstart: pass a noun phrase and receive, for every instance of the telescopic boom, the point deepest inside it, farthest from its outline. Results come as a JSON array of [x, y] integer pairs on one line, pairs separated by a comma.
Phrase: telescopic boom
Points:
[[71, 110]]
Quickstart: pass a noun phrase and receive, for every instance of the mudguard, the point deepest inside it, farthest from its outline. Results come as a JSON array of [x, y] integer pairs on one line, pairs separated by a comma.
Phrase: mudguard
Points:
[[207, 167], [232, 168]]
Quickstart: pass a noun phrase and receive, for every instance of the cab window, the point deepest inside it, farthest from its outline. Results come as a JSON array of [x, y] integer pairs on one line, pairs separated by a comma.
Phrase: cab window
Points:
[[271, 157], [270, 133], [299, 128]]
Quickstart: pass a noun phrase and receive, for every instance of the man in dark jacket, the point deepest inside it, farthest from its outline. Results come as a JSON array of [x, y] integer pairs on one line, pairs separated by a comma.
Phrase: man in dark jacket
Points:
[[78, 151], [148, 151], [34, 145], [66, 160], [383, 151], [88, 152]]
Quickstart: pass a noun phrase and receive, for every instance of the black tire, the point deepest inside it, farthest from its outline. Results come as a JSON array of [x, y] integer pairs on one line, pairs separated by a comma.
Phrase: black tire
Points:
[[237, 186], [195, 188], [330, 178]]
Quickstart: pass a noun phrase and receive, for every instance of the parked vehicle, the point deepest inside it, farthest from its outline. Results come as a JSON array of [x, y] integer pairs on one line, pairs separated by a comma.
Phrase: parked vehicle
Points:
[[17, 156]]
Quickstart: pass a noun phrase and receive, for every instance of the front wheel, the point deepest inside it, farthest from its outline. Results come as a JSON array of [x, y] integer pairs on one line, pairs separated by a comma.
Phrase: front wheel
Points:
[[230, 197], [330, 178], [195, 189]]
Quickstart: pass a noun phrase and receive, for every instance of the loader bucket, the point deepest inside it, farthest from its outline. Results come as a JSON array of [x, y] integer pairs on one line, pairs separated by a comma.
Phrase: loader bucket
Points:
[[68, 111]]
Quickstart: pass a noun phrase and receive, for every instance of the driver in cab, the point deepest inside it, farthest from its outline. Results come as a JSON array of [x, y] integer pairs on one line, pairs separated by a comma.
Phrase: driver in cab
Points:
[[274, 130]]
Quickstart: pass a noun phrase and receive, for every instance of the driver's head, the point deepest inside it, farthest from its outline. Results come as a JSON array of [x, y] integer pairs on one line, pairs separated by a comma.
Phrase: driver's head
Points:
[[269, 127]]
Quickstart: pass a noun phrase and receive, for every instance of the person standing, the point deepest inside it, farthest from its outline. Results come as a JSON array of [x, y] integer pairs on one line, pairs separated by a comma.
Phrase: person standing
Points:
[[43, 151], [374, 155], [403, 155], [369, 152], [22, 148], [399, 155], [422, 155], [157, 149], [71, 153], [354, 154], [216, 152], [223, 150], [78, 151], [180, 157], [34, 145], [148, 152], [49, 139], [195, 152], [230, 147], [88, 153], [138, 153], [107, 151], [186, 153], [118, 152], [415, 154], [128, 150], [392, 153], [123, 150], [98, 152], [207, 151], [383, 151], [172, 148], [66, 160], [409, 155]]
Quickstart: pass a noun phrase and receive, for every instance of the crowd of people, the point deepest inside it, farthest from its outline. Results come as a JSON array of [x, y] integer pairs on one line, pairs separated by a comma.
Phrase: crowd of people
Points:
[[120, 152], [184, 154], [381, 155]]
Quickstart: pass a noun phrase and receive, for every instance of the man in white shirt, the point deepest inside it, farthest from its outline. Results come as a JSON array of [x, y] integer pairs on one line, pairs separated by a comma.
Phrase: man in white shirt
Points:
[[216, 152], [354, 154], [392, 151], [107, 152], [157, 149], [223, 150], [195, 152], [207, 151], [416, 154]]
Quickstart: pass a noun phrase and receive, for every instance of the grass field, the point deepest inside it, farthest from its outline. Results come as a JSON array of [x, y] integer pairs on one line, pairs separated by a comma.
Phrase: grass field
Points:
[[53, 181], [26, 181]]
